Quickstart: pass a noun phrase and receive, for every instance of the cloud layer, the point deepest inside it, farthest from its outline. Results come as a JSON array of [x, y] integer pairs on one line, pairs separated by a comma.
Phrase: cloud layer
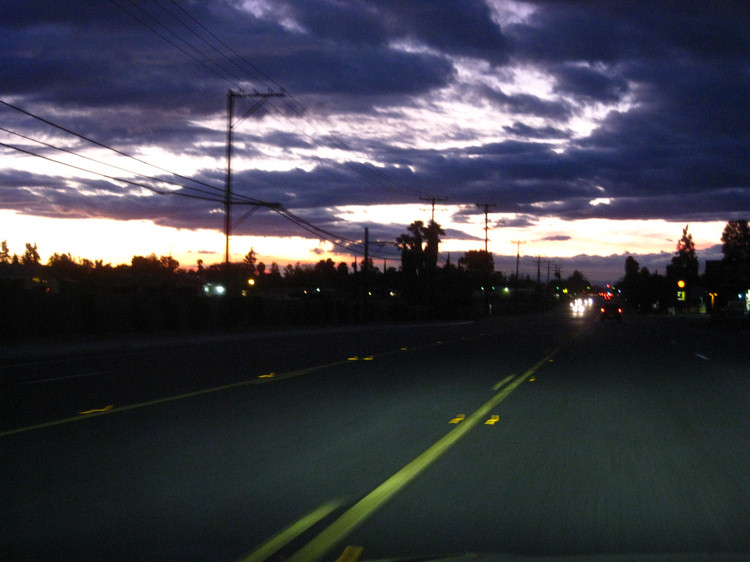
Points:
[[613, 110]]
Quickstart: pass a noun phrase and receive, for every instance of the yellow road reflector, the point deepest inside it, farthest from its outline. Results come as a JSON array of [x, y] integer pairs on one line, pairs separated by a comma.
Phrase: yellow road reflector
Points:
[[354, 358], [458, 419], [95, 410], [494, 418], [350, 554], [404, 348], [370, 358], [532, 379], [268, 376]]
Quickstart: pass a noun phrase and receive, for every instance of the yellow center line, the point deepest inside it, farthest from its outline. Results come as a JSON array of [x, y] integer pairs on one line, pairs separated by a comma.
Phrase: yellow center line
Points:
[[290, 533], [499, 385], [363, 509], [97, 410], [350, 554]]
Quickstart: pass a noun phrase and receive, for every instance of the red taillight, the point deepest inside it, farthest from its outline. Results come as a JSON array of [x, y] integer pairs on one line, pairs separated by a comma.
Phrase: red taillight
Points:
[[619, 311], [602, 309]]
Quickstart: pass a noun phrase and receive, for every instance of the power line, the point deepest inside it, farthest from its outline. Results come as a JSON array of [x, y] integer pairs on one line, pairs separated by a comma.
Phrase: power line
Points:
[[113, 178], [237, 198], [102, 145], [309, 227], [369, 174], [175, 45], [73, 153], [230, 49], [240, 198]]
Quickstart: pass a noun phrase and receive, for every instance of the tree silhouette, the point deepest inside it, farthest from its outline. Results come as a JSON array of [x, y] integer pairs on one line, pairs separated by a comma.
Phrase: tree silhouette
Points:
[[4, 252], [478, 263], [684, 266], [31, 255], [577, 283], [736, 242], [152, 264], [249, 261], [169, 263], [412, 253], [631, 284], [685, 262], [432, 235]]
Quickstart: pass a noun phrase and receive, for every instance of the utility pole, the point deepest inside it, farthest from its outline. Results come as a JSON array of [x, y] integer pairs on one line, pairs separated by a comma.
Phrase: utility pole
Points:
[[231, 94], [538, 272], [488, 280], [365, 272], [433, 200], [518, 256], [486, 207]]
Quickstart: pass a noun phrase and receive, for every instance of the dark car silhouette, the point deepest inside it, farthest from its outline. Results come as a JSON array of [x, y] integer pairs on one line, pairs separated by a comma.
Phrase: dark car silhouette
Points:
[[610, 309]]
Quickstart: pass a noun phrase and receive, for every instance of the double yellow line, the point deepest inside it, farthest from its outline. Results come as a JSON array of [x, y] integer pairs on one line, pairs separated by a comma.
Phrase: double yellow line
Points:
[[364, 508]]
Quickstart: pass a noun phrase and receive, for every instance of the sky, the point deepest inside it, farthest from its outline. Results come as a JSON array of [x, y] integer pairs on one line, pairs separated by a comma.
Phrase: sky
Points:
[[589, 131]]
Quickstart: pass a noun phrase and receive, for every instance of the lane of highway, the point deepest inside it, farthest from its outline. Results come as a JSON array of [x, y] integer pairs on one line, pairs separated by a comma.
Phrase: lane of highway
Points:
[[245, 459], [67, 382], [624, 444], [599, 451]]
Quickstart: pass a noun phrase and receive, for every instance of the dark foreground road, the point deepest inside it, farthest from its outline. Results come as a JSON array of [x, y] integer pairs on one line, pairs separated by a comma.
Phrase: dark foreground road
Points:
[[535, 436]]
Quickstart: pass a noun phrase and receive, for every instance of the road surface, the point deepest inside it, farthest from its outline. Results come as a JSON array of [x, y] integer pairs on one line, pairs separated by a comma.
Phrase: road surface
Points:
[[539, 435]]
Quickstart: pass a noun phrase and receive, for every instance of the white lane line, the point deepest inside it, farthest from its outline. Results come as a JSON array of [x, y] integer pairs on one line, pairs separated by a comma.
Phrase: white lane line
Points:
[[701, 356]]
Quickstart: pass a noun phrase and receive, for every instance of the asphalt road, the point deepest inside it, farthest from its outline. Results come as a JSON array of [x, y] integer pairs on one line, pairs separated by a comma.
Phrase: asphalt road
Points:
[[540, 435]]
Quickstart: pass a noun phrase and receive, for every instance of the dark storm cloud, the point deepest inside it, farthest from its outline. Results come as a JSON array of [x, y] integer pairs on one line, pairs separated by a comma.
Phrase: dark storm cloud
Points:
[[525, 104], [676, 76], [584, 82], [523, 130], [458, 28], [685, 141]]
